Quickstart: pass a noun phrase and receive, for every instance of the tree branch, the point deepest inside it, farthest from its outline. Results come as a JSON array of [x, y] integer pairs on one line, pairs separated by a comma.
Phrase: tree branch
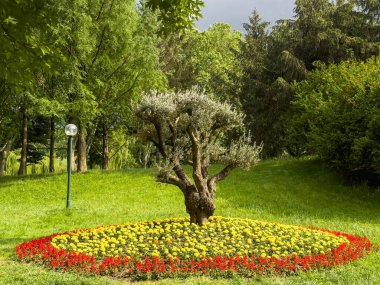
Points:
[[175, 157], [222, 174], [100, 10], [197, 159], [126, 91], [3, 147], [181, 174], [16, 41], [117, 69], [170, 179], [99, 45], [160, 145]]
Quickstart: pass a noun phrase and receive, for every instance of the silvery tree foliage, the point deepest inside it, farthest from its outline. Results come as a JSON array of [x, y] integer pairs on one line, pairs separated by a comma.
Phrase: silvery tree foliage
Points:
[[187, 128]]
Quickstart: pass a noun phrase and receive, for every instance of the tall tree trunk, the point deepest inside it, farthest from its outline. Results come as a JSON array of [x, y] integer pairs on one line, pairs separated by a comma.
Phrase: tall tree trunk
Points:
[[82, 149], [146, 155], [52, 143], [91, 158], [24, 138], [157, 157], [105, 151], [4, 153], [74, 166]]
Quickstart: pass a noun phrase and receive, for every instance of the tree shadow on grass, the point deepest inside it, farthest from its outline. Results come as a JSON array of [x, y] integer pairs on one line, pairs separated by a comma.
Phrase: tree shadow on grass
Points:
[[8, 245], [7, 181], [304, 189]]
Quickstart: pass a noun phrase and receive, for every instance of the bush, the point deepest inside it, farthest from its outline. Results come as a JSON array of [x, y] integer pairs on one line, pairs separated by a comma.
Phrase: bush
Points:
[[337, 115]]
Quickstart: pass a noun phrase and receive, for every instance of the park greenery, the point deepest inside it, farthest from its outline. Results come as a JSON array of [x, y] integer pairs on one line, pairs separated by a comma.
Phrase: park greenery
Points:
[[289, 192], [151, 94], [89, 62]]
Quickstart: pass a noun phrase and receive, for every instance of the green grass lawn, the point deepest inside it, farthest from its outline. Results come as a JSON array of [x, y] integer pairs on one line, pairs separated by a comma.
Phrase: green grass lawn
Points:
[[298, 192]]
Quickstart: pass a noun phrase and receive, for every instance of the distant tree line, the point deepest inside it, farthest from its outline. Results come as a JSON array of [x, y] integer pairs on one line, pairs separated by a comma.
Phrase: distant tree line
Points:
[[88, 62]]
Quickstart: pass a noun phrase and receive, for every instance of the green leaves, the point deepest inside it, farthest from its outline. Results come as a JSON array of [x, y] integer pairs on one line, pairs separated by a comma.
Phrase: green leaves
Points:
[[10, 20], [206, 59], [177, 15], [339, 108]]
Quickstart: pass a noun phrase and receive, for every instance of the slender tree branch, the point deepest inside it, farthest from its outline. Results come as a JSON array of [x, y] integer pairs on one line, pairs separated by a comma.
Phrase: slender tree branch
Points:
[[100, 10], [197, 159], [126, 91], [117, 69], [111, 156], [111, 5], [99, 45], [16, 41], [3, 147], [222, 174], [160, 145]]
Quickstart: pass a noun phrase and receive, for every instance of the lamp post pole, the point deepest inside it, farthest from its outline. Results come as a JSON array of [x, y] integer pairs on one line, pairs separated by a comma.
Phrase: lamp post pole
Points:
[[69, 158], [70, 130]]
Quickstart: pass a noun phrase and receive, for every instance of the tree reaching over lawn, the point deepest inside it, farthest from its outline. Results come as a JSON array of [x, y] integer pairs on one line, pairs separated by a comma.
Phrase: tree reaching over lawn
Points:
[[187, 128]]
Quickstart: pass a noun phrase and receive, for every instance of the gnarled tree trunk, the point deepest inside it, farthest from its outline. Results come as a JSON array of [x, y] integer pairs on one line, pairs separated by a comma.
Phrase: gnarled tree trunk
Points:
[[200, 205]]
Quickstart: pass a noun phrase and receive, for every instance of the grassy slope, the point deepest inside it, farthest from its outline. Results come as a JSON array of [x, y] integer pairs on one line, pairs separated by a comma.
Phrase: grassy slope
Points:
[[292, 192]]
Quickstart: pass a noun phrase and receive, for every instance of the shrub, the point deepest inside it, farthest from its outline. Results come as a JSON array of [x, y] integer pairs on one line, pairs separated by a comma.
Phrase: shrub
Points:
[[338, 115]]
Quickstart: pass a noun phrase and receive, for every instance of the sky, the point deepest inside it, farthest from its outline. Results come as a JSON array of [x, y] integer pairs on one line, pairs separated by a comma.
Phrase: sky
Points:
[[236, 12]]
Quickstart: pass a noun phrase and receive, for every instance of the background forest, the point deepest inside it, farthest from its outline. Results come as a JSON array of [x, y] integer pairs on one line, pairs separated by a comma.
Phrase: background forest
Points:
[[307, 86]]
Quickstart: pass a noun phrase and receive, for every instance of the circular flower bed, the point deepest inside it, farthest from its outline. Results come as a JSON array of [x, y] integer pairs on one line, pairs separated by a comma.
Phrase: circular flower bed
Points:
[[176, 247]]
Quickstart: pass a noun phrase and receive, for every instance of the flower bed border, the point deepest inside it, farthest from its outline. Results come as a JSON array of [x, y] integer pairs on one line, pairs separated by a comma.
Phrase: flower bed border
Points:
[[41, 251]]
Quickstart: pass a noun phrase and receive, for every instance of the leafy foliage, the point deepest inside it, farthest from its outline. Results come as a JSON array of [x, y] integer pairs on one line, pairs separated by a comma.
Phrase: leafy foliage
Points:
[[177, 15], [208, 60], [186, 111], [339, 107], [322, 32], [25, 42]]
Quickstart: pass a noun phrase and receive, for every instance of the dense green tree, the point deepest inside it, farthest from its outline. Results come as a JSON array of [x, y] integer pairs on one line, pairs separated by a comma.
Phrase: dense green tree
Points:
[[208, 60], [176, 15], [111, 57], [8, 117], [321, 32], [338, 108], [265, 93], [120, 76], [24, 40], [25, 37], [69, 43]]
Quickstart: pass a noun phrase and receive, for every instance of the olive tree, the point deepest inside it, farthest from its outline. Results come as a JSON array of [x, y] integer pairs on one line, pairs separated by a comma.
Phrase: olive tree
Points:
[[187, 128]]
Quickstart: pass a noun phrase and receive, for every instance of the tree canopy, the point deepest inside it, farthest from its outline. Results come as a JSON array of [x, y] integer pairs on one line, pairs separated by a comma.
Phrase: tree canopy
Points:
[[89, 61], [338, 115], [187, 127]]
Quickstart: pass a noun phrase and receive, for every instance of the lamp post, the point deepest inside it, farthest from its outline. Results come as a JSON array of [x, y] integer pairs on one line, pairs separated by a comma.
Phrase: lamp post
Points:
[[70, 130]]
